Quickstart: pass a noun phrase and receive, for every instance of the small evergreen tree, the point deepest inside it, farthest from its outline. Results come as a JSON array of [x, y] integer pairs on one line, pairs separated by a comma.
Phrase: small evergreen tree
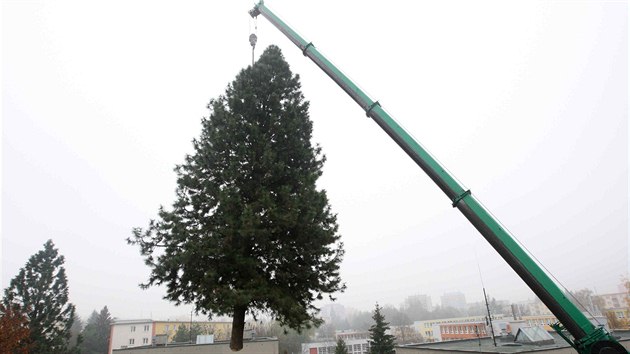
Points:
[[341, 347], [40, 291], [249, 230], [380, 341], [189, 334], [96, 333]]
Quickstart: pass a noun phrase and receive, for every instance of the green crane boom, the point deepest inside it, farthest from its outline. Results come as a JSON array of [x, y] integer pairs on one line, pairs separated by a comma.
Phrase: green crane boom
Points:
[[586, 338]]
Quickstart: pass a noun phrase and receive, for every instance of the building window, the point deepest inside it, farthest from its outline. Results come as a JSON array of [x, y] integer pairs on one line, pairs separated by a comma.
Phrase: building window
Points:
[[145, 340], [146, 328], [133, 328], [132, 341]]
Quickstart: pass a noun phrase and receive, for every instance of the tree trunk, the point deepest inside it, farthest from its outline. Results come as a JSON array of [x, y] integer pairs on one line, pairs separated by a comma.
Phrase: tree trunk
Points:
[[238, 326]]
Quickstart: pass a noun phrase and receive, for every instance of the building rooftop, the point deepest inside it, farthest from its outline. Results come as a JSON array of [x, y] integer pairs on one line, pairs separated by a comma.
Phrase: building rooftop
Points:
[[150, 320], [188, 345], [485, 345], [140, 320]]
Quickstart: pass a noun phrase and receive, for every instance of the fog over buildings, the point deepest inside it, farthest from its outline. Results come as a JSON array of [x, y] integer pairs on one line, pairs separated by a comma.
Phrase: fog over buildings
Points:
[[525, 102], [455, 300]]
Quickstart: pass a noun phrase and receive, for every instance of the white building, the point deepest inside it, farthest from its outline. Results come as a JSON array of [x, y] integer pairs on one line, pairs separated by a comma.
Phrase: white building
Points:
[[130, 333], [537, 308], [614, 301], [143, 332], [355, 346], [430, 329]]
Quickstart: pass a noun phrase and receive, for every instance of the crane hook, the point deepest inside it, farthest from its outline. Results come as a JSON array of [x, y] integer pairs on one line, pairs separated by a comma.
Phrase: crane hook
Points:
[[252, 41], [252, 37]]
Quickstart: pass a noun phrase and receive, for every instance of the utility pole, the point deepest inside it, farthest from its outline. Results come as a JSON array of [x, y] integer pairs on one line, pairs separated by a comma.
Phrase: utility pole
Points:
[[190, 328]]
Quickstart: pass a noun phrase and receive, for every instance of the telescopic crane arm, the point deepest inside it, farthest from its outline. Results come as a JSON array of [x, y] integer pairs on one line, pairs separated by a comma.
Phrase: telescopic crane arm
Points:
[[586, 338]]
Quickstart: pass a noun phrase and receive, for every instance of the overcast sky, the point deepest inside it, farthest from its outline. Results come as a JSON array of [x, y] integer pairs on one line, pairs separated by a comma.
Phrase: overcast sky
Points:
[[524, 102]]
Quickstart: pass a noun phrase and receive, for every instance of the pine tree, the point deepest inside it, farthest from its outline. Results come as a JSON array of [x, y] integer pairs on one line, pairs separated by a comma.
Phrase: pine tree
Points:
[[341, 347], [40, 290], [96, 333], [249, 231], [380, 341]]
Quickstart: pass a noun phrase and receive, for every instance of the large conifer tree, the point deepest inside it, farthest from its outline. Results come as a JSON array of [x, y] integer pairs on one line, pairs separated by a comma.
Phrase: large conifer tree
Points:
[[249, 231], [40, 290]]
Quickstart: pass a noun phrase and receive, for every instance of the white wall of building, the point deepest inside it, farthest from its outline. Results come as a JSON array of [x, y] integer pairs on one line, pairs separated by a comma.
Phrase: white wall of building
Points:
[[615, 301], [355, 346], [427, 329], [130, 333]]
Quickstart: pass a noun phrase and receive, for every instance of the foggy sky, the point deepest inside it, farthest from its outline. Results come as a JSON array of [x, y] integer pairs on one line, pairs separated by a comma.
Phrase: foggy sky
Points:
[[525, 102]]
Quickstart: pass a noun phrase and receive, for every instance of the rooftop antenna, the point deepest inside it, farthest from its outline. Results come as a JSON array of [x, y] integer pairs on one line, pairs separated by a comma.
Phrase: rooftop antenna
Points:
[[485, 298], [494, 340]]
